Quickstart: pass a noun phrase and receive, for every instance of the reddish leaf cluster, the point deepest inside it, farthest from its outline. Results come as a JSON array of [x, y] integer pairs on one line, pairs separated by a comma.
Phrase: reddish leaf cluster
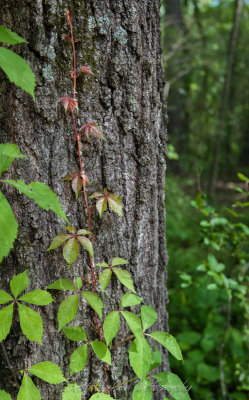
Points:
[[77, 179], [69, 103], [92, 128], [104, 198]]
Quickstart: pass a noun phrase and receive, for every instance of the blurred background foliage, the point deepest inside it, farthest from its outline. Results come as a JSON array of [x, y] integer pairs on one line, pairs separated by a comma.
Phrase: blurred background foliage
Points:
[[205, 55]]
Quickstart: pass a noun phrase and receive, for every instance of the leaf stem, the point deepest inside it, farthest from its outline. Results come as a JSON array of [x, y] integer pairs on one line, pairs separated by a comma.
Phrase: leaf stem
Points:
[[121, 342]]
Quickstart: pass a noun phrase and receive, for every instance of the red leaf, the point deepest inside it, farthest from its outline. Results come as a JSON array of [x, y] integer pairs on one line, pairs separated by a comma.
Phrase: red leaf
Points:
[[86, 69], [69, 103], [93, 128]]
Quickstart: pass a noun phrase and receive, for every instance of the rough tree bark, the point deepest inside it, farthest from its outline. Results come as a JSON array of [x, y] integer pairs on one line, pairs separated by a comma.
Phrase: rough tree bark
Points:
[[120, 40]]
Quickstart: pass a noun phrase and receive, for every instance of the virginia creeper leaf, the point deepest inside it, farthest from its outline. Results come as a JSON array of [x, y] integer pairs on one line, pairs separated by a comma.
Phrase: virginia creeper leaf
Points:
[[133, 322], [169, 342], [83, 232], [39, 297], [58, 241], [101, 396], [124, 277], [67, 310], [6, 314], [8, 227], [94, 301], [140, 356], [86, 243], [5, 297], [104, 278], [72, 392], [62, 284], [28, 390], [78, 282], [142, 390], [130, 299], [17, 70], [78, 359], [111, 326], [7, 36], [156, 359], [31, 323], [18, 283], [70, 229], [71, 251], [173, 384], [75, 333], [101, 206], [8, 153], [115, 202], [101, 351], [41, 194], [119, 261], [148, 316], [48, 371], [103, 265]]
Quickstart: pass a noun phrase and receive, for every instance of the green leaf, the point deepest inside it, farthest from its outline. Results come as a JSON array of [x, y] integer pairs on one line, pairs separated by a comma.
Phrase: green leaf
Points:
[[101, 396], [8, 227], [130, 299], [17, 70], [8, 153], [78, 282], [18, 283], [148, 316], [134, 323], [28, 390], [62, 284], [75, 333], [31, 323], [39, 297], [41, 194], [101, 351], [142, 390], [124, 277], [140, 356], [119, 261], [242, 177], [48, 371], [94, 301], [156, 359], [111, 326], [86, 243], [173, 384], [103, 264], [104, 278], [7, 36], [78, 359], [115, 202], [5, 297], [5, 321], [72, 392], [101, 206], [71, 251], [67, 310], [58, 241], [169, 342], [4, 395], [83, 232]]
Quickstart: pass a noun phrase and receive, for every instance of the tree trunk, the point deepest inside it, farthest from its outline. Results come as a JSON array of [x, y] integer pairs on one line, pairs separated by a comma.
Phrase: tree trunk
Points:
[[120, 40]]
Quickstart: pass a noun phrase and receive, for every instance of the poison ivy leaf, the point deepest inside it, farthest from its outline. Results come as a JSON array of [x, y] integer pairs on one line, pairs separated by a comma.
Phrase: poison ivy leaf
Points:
[[18, 283], [101, 351], [5, 321], [130, 299], [31, 323], [71, 251], [86, 243], [111, 326], [7, 36], [119, 261], [75, 333], [58, 241], [173, 384], [5, 297], [169, 342], [28, 390], [17, 70], [104, 278], [72, 392], [115, 202], [8, 153], [39, 297], [134, 323], [62, 284], [124, 277], [94, 301], [78, 282], [101, 396], [8, 227], [142, 390], [140, 356], [156, 359], [148, 316], [67, 310], [78, 359], [48, 371], [41, 194]]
